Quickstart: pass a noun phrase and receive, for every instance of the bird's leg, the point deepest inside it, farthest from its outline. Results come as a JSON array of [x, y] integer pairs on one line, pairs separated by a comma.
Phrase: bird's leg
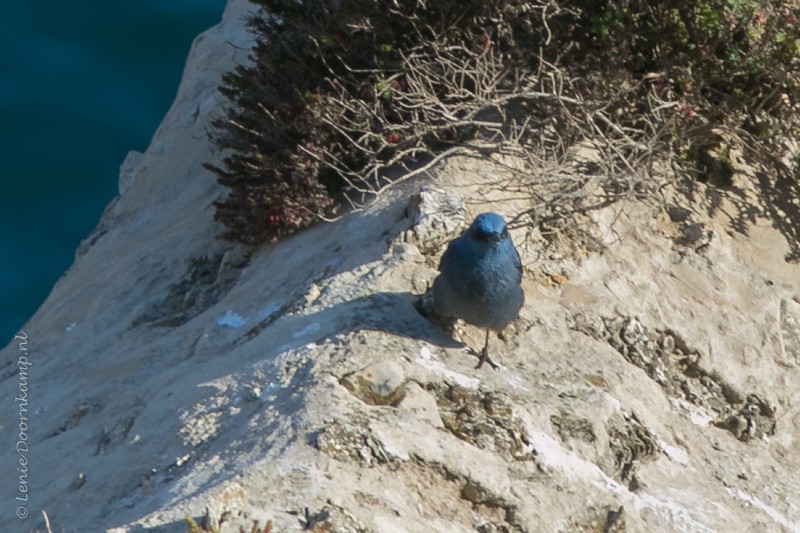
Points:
[[484, 357]]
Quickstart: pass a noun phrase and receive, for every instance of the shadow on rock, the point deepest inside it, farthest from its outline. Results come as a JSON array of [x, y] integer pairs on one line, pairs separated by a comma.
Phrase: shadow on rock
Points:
[[394, 313]]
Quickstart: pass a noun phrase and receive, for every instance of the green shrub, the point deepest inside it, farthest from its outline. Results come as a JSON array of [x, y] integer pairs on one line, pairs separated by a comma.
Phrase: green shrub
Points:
[[739, 55]]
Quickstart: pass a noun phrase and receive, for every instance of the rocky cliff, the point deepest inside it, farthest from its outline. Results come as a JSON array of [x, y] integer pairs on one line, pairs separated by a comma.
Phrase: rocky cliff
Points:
[[650, 383]]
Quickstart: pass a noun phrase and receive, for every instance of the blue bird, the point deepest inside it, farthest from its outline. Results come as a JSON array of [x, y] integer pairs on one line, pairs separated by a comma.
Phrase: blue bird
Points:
[[479, 279]]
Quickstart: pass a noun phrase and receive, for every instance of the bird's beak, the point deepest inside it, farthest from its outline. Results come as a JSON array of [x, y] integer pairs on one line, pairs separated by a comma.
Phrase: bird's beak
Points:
[[489, 237]]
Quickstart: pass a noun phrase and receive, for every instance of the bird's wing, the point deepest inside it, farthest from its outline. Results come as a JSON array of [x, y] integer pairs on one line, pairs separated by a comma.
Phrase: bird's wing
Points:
[[518, 264], [446, 255]]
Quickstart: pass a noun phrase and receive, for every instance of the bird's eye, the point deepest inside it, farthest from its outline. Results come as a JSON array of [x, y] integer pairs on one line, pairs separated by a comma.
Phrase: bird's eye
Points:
[[481, 236], [488, 237]]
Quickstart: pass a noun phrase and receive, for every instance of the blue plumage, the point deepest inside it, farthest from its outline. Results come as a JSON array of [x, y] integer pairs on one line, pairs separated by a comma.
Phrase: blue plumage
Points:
[[480, 277]]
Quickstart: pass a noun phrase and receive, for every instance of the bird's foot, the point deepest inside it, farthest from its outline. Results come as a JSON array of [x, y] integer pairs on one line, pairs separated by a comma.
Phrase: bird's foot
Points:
[[483, 357]]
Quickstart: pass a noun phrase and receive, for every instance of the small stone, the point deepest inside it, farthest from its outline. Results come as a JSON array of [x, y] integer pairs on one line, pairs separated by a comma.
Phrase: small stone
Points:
[[421, 403], [474, 493], [253, 393], [377, 384], [313, 294], [632, 332], [407, 251], [79, 481], [667, 343]]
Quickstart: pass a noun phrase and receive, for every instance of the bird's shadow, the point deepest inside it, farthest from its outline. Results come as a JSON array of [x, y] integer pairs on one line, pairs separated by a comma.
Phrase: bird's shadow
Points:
[[394, 313]]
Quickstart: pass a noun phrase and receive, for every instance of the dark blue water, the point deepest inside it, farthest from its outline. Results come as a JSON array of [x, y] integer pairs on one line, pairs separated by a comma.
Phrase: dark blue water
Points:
[[81, 83]]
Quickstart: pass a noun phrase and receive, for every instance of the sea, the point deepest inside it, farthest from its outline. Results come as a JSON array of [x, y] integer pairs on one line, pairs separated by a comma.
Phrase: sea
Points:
[[81, 84]]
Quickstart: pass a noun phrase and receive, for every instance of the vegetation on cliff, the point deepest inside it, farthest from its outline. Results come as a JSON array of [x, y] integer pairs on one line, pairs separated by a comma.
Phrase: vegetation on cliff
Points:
[[342, 99]]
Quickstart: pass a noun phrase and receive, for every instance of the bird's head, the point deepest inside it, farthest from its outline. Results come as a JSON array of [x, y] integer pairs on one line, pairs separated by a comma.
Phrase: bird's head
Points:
[[488, 228]]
